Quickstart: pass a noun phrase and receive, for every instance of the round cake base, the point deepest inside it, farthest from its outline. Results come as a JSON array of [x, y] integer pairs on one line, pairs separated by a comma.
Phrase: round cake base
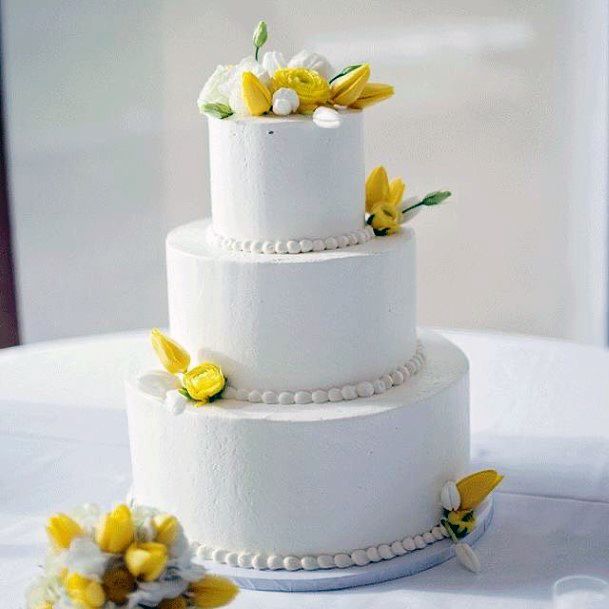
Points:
[[352, 577]]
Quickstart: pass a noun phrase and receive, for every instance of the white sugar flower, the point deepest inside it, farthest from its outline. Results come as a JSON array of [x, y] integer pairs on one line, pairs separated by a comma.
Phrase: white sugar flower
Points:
[[273, 61], [214, 90], [157, 383], [87, 516], [327, 118], [285, 101], [85, 558], [233, 89], [312, 61], [175, 402]]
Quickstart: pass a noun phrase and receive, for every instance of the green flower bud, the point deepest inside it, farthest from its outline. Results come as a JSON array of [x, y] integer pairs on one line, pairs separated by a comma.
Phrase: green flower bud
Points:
[[260, 36]]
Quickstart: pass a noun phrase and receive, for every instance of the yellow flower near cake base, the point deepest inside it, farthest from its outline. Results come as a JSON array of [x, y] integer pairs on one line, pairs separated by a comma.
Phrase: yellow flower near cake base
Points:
[[346, 89], [146, 560], [204, 382], [173, 603], [372, 93], [61, 530], [167, 528], [474, 489], [384, 219], [86, 593], [256, 94], [116, 530], [173, 356], [312, 89], [212, 591]]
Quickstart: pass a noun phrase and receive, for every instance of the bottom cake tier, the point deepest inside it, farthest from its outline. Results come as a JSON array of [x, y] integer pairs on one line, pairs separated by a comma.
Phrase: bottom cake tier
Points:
[[307, 486]]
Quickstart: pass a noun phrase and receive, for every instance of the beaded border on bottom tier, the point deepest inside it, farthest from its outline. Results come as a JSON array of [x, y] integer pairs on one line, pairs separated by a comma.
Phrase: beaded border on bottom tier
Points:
[[365, 389], [291, 246], [341, 560]]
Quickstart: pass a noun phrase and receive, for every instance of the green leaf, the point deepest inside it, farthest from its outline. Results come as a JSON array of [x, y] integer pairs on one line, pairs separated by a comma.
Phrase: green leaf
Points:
[[344, 71], [185, 393], [435, 198], [217, 110]]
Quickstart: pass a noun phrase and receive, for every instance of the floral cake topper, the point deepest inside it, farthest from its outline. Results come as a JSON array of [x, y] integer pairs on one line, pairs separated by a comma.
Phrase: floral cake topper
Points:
[[306, 84], [386, 208], [126, 558]]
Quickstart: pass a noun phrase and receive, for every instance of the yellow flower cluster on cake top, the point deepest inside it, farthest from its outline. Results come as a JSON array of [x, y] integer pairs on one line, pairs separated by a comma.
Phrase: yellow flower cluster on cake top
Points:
[[125, 558], [306, 84]]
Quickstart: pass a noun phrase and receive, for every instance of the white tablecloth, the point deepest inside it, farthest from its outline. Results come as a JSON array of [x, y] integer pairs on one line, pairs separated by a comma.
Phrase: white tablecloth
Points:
[[540, 414]]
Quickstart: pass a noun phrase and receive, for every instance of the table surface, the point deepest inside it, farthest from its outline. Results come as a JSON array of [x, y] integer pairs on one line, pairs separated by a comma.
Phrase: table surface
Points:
[[539, 413]]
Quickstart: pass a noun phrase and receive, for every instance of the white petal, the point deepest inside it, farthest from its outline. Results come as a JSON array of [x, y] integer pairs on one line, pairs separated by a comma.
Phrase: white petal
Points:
[[467, 557], [157, 383], [175, 402], [450, 497], [272, 61], [327, 118], [313, 61]]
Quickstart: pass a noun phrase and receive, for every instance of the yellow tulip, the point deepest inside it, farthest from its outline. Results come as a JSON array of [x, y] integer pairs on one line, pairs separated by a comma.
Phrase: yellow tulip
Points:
[[346, 89], [256, 94], [372, 93], [396, 191], [115, 531], [212, 591], [61, 530], [377, 187], [204, 381], [173, 357], [311, 87], [385, 219], [146, 560], [86, 593], [167, 528], [474, 488], [118, 583], [173, 603]]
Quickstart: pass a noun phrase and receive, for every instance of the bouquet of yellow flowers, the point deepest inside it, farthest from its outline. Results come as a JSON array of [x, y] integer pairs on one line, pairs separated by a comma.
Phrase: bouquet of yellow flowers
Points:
[[127, 558]]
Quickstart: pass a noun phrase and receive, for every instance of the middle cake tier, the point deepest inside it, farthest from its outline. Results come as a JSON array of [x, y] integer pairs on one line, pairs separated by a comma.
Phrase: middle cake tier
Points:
[[281, 323]]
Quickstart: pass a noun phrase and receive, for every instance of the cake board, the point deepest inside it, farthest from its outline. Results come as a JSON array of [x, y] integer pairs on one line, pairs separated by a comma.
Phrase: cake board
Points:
[[337, 579]]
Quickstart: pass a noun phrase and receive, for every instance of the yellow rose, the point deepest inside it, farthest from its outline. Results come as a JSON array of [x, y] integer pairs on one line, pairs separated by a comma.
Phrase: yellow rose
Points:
[[61, 530], [212, 591], [87, 593], [115, 531], [204, 382], [173, 357], [312, 89], [146, 560], [385, 219]]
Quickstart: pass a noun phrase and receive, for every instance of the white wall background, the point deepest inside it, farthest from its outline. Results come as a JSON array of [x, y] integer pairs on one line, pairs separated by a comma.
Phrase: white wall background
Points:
[[503, 102]]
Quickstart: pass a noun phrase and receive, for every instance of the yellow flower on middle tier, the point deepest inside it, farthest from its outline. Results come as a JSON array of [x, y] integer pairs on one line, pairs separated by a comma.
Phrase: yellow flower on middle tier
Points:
[[256, 94], [385, 218], [172, 355], [204, 382], [380, 190], [311, 87], [167, 528]]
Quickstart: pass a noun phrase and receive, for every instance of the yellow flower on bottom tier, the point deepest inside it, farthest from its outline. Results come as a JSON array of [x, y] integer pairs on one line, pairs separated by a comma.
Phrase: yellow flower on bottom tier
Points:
[[312, 89], [212, 591], [204, 382], [146, 560], [87, 593]]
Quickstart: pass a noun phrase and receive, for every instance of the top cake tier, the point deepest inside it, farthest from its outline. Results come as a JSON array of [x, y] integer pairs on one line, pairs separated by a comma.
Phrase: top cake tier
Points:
[[286, 178]]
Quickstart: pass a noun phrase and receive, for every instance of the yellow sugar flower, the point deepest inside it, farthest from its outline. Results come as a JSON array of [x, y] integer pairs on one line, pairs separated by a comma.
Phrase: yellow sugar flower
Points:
[[377, 187], [204, 382], [115, 531], [61, 530], [212, 591], [173, 603], [146, 560], [311, 87], [474, 488], [118, 583], [396, 191], [385, 219], [167, 528], [256, 94], [346, 89], [85, 592], [173, 357], [461, 522], [372, 93]]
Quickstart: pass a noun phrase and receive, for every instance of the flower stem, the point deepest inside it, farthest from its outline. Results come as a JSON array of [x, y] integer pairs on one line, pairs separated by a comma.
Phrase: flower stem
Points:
[[414, 206]]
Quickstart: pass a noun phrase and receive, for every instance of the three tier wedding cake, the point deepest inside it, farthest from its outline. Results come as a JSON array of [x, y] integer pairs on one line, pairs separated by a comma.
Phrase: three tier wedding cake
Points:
[[301, 420]]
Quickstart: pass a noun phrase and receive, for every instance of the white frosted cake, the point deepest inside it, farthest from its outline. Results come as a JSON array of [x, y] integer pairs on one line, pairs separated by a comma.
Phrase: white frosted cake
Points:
[[301, 421]]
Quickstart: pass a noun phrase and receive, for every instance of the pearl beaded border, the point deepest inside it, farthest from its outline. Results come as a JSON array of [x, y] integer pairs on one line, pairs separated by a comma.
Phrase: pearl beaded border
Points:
[[364, 389], [341, 560], [292, 246]]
